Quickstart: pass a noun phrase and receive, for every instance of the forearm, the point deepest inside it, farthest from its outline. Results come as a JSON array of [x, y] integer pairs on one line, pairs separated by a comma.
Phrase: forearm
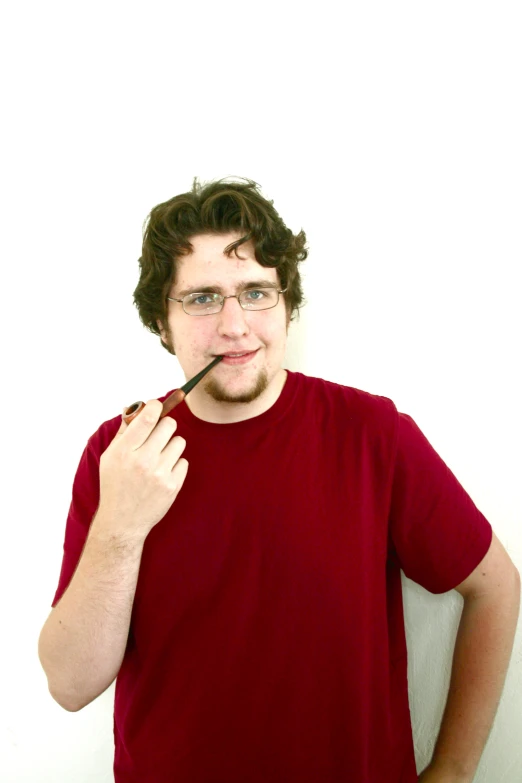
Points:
[[480, 662], [83, 641]]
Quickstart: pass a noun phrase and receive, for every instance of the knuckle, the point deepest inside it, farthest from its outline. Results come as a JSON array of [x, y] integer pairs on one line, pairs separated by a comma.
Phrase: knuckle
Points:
[[158, 475], [148, 417], [141, 465], [151, 411]]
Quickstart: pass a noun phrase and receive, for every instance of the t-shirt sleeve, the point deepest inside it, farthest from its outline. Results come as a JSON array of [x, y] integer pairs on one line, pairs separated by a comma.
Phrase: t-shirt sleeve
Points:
[[438, 534], [84, 504]]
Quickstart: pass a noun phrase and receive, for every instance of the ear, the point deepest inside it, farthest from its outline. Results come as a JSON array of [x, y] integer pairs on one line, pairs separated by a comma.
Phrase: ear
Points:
[[163, 333]]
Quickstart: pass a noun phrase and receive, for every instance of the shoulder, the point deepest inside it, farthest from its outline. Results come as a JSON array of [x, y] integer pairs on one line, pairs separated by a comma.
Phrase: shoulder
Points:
[[351, 403]]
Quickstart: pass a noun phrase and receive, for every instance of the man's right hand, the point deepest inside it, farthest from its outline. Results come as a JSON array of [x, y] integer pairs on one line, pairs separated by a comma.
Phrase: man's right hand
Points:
[[141, 473]]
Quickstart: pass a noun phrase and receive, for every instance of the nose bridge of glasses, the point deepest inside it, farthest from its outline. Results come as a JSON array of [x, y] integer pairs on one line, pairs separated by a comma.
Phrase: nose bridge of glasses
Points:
[[237, 297], [217, 305]]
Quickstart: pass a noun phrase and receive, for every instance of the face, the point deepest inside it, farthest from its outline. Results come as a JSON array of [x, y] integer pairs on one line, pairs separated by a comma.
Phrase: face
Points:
[[196, 340]]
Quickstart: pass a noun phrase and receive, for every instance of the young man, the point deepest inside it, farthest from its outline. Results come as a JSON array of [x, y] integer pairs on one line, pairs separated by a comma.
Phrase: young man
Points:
[[236, 564]]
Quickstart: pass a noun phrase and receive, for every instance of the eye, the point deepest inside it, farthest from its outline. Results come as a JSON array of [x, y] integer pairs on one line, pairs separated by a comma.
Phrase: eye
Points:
[[255, 298], [201, 299]]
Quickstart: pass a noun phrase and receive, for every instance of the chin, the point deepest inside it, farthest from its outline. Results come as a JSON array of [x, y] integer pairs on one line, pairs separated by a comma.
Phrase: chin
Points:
[[255, 388]]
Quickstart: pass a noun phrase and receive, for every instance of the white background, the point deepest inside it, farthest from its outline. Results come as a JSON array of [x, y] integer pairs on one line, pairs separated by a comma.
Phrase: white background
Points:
[[391, 133]]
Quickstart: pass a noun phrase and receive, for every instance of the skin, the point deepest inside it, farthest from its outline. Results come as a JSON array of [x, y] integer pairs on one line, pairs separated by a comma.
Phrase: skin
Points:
[[83, 641], [227, 393]]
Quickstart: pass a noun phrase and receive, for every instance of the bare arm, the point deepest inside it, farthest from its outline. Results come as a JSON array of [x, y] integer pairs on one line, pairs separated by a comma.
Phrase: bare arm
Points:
[[480, 662], [83, 641]]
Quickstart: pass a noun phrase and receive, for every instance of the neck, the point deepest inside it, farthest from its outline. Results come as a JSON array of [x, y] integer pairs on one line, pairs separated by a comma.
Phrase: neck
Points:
[[205, 407]]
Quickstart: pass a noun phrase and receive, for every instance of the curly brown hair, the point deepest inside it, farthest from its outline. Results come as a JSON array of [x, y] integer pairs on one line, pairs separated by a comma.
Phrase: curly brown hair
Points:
[[218, 207]]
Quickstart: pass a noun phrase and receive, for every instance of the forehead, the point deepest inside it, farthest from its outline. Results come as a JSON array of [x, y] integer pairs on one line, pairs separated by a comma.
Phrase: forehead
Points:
[[209, 261]]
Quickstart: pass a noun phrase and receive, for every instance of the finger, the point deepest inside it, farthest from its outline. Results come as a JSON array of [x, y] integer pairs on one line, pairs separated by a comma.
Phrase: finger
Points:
[[123, 426], [179, 473], [140, 428], [160, 436], [173, 451]]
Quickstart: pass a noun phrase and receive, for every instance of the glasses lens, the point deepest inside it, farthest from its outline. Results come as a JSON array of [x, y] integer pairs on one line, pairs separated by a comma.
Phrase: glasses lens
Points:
[[202, 304], [252, 299], [259, 298]]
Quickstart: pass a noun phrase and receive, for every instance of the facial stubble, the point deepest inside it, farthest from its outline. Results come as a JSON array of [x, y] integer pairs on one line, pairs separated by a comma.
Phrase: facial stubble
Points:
[[219, 392]]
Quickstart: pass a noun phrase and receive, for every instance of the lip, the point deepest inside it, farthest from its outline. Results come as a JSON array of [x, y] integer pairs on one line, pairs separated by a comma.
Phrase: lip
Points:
[[239, 359]]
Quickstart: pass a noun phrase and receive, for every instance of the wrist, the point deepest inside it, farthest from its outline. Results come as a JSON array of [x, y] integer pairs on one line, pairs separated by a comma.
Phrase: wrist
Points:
[[111, 532], [443, 772]]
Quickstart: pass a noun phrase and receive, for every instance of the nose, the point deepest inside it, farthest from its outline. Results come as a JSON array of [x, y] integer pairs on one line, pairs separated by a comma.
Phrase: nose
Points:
[[232, 321]]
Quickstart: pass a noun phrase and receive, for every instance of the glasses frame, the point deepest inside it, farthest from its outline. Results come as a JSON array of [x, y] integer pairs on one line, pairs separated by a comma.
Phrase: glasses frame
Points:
[[230, 296]]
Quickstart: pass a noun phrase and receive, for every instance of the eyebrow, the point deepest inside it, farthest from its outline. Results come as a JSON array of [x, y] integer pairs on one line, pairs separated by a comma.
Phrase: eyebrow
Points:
[[216, 289]]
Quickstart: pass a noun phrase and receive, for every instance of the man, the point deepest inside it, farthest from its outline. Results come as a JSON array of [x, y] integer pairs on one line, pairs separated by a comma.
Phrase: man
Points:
[[247, 594]]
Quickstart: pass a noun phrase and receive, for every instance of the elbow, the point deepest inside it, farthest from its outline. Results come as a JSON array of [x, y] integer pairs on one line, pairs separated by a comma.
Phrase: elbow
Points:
[[73, 687], [60, 695], [65, 702], [66, 705], [69, 699], [66, 699]]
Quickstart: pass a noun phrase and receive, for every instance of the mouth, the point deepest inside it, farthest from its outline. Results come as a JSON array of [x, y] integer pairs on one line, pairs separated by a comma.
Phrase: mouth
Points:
[[239, 358]]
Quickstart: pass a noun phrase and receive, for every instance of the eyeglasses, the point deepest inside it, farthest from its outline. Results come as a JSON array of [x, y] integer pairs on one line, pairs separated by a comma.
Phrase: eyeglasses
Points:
[[251, 299]]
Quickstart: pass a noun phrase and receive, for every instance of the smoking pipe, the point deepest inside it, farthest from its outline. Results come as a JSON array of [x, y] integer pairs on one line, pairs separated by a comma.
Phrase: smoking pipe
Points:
[[177, 396]]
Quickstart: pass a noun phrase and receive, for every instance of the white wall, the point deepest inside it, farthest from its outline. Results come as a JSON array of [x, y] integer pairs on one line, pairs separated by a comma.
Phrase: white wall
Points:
[[389, 132]]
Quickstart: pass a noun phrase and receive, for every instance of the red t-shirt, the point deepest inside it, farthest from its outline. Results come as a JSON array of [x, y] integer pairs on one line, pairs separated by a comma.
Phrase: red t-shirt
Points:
[[267, 639]]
